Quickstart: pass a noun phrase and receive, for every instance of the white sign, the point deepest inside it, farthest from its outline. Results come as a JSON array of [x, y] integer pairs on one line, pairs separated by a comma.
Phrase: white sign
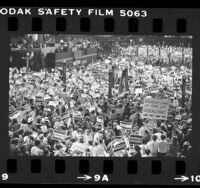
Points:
[[155, 108], [138, 90]]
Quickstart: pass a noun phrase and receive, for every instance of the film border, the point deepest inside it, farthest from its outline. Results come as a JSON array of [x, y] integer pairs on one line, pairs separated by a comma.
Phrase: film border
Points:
[[144, 177]]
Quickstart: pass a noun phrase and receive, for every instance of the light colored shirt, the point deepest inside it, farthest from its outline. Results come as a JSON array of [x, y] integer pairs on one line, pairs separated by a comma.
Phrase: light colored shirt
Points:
[[153, 147], [35, 151], [162, 146]]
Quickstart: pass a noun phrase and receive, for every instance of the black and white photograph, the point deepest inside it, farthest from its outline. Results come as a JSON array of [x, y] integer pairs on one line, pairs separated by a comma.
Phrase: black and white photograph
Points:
[[100, 95]]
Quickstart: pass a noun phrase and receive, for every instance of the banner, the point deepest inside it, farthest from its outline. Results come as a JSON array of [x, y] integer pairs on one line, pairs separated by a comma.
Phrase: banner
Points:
[[135, 139], [169, 93], [15, 115], [119, 144], [39, 99], [154, 88], [155, 108], [77, 115], [64, 116], [58, 134], [126, 125]]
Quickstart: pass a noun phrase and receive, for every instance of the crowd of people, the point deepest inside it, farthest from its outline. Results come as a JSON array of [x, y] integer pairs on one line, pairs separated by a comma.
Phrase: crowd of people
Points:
[[78, 118]]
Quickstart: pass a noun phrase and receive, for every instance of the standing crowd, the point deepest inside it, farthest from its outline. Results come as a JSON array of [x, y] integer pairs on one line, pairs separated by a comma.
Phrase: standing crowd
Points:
[[50, 118]]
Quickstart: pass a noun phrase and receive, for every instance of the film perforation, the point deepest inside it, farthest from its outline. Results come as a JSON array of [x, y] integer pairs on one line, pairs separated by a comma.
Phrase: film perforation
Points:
[[84, 166], [11, 165], [132, 167], [12, 24], [85, 24], [36, 24], [61, 24], [59, 166], [108, 167], [181, 25], [156, 167], [109, 25], [180, 167], [35, 166], [157, 25], [133, 25]]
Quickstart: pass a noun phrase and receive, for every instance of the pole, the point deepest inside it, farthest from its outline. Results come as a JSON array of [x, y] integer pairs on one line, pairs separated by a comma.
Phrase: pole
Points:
[[183, 91], [110, 85], [64, 75], [27, 63], [182, 53]]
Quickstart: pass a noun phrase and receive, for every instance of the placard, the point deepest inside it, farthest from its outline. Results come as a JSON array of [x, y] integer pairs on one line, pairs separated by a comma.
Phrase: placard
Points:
[[155, 108]]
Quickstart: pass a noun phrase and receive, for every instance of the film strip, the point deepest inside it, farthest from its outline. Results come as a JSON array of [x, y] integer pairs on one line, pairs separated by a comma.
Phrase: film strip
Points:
[[135, 41]]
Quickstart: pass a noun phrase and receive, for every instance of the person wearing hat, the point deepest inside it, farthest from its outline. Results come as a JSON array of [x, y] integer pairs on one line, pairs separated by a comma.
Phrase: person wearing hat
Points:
[[35, 150], [61, 47]]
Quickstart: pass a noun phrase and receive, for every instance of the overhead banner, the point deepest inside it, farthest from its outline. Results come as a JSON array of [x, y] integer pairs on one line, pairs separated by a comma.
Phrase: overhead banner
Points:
[[155, 108]]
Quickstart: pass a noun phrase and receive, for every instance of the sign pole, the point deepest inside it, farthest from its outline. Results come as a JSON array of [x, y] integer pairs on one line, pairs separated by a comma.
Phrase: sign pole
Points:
[[64, 75], [183, 91]]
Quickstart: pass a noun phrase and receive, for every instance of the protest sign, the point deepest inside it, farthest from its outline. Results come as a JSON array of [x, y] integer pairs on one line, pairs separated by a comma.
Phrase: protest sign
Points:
[[58, 135], [135, 139], [126, 125], [155, 108], [15, 115], [138, 91], [169, 93], [39, 99], [118, 146], [77, 115], [64, 116]]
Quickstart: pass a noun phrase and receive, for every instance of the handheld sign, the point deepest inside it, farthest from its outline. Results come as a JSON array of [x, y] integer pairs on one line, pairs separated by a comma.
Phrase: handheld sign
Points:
[[64, 116], [135, 139], [119, 144], [169, 93], [39, 99], [126, 125], [77, 115], [155, 108], [15, 115], [58, 135]]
